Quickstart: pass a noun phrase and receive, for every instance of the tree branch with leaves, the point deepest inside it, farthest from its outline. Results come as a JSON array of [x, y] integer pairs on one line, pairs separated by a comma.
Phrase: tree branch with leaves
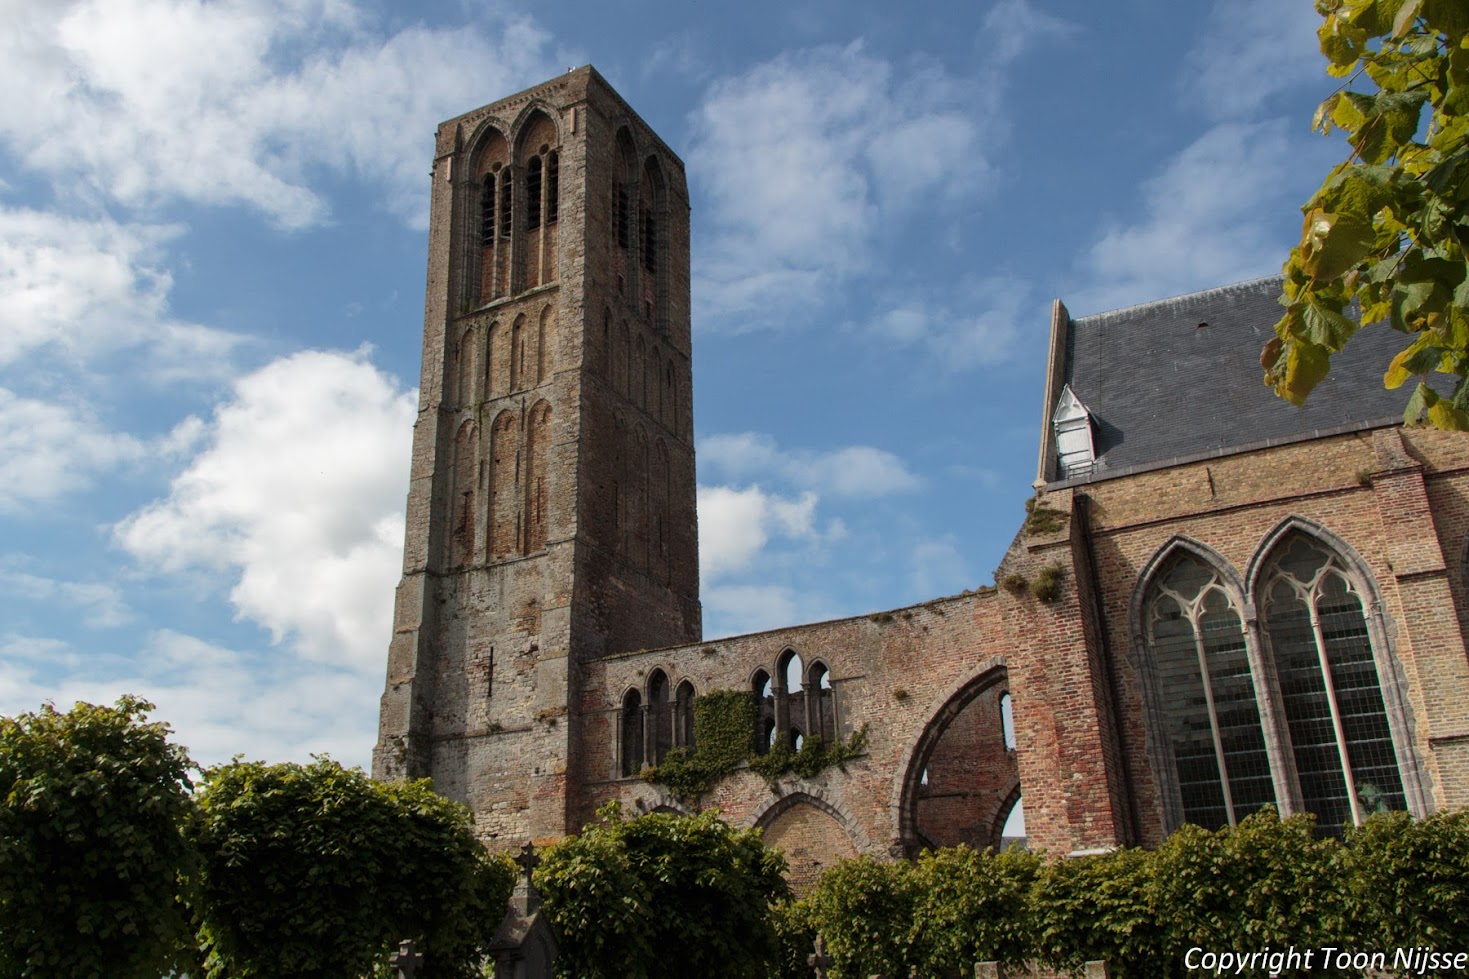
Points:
[[1384, 237]]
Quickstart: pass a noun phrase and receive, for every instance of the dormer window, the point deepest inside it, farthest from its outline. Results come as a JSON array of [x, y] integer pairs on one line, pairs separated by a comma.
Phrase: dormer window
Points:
[[1075, 447]]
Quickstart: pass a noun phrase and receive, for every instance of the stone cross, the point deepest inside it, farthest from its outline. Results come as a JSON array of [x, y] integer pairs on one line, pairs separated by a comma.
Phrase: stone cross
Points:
[[818, 959], [528, 860], [406, 960]]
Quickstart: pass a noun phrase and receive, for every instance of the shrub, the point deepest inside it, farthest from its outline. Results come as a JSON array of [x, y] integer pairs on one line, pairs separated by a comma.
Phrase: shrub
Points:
[[971, 906], [318, 871], [864, 910], [663, 895], [1410, 880]]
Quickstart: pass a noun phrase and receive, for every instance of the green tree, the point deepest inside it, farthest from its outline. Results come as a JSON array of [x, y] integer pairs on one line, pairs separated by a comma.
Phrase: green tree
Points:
[[318, 871], [663, 895], [1388, 227], [93, 806]]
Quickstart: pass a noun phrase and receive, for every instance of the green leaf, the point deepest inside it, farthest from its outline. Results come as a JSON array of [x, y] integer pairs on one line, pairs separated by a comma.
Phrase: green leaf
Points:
[[1326, 328]]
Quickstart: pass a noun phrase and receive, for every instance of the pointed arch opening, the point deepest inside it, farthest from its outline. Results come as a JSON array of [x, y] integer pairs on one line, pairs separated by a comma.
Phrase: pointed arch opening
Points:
[[461, 528], [683, 715], [960, 782], [491, 180], [821, 702], [465, 373], [630, 720], [537, 497], [1316, 629], [504, 452], [763, 689], [790, 706], [1213, 736], [660, 717]]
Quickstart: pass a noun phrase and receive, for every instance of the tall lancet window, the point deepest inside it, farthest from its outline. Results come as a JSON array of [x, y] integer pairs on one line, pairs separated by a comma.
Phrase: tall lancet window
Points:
[[506, 192], [1198, 646], [533, 193], [487, 211], [1075, 448], [1340, 739]]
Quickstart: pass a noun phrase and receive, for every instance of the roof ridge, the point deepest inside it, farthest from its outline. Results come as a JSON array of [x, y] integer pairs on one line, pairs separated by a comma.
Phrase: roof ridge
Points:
[[1125, 312]]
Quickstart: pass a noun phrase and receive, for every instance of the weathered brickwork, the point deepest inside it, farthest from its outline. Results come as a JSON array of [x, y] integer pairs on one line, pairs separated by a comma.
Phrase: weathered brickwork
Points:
[[547, 636]]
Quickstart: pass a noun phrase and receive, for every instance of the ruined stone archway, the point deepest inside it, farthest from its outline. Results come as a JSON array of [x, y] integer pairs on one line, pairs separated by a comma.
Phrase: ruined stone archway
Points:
[[961, 781], [812, 834]]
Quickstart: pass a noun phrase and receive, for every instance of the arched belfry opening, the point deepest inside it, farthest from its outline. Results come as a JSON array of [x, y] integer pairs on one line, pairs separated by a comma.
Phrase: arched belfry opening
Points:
[[494, 186], [653, 243], [538, 158], [962, 783], [622, 210]]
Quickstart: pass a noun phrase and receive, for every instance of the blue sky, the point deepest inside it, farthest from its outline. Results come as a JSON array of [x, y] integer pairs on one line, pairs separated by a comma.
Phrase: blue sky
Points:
[[211, 275]]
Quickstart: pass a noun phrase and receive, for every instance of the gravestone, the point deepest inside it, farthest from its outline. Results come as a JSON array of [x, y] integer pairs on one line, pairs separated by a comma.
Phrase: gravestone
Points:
[[406, 960], [524, 947], [818, 959]]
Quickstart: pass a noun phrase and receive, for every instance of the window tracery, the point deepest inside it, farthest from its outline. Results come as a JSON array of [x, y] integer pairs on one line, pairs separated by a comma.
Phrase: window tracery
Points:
[[1218, 745], [1305, 724], [1341, 742]]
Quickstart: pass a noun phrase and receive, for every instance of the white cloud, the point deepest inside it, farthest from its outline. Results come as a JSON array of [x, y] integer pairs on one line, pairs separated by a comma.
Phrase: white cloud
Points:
[[48, 449], [87, 288], [101, 604], [235, 102], [1013, 27], [853, 471], [1209, 216], [1249, 51], [297, 493], [740, 609], [978, 328], [219, 702], [736, 524], [796, 161]]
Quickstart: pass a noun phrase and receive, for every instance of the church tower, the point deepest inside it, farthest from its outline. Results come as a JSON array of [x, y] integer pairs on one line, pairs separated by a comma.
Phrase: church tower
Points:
[[551, 516]]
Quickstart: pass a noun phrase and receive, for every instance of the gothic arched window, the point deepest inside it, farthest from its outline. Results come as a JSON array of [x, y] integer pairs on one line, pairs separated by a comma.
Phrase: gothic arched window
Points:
[[660, 717], [683, 715], [790, 705], [1340, 740], [487, 211], [1213, 727], [506, 192], [764, 691], [819, 701], [632, 733], [553, 187], [533, 193]]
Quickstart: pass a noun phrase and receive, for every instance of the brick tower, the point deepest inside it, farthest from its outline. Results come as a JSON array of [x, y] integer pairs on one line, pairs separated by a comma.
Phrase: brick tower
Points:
[[551, 515]]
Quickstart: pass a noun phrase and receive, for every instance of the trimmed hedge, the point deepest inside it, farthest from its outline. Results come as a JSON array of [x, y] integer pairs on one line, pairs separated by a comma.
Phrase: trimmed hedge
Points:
[[1393, 883]]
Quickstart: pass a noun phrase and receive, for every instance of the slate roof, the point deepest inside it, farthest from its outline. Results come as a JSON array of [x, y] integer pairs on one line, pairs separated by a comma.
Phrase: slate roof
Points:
[[1163, 387]]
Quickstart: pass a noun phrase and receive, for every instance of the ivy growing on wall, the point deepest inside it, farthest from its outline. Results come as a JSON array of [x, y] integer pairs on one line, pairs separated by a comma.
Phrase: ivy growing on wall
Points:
[[813, 757], [724, 739]]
